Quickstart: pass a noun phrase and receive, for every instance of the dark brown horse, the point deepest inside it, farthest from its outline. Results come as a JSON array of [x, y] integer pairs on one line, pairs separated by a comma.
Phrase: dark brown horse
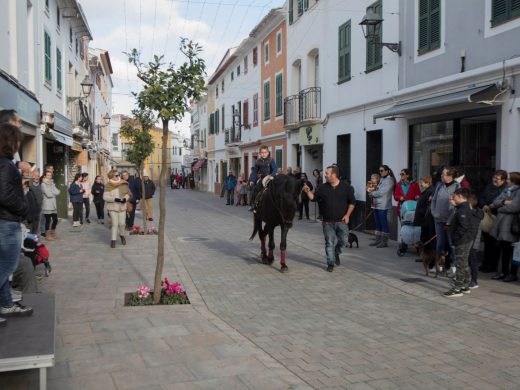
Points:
[[276, 206]]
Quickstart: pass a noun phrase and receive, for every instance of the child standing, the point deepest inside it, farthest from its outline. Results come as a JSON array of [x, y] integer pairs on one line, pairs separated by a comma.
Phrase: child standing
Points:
[[464, 233], [477, 215]]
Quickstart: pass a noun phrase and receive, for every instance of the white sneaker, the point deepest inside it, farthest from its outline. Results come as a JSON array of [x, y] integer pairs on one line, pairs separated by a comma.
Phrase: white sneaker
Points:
[[453, 270]]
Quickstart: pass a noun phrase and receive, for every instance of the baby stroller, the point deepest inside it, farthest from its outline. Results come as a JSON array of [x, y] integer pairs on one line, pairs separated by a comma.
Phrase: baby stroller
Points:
[[410, 234]]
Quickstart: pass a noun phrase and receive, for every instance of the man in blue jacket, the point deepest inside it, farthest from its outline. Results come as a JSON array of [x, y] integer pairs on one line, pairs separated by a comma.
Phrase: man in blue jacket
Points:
[[229, 184]]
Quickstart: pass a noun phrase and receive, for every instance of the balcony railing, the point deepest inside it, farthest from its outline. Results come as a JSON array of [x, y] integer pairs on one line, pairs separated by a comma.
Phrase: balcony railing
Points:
[[305, 106], [78, 114], [232, 136]]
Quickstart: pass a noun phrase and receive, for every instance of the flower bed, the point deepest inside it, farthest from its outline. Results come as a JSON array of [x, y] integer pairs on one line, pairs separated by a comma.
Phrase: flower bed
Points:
[[138, 231], [171, 294]]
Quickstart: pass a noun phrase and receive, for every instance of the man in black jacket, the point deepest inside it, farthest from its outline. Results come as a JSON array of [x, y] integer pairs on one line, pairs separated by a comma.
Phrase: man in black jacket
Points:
[[149, 191], [263, 171], [134, 185], [336, 201]]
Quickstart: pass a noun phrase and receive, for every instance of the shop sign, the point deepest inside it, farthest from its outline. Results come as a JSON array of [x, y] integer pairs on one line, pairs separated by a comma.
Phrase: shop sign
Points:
[[310, 135]]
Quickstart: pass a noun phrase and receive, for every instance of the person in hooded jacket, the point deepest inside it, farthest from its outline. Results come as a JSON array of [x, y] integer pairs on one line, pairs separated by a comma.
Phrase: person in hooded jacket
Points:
[[98, 190]]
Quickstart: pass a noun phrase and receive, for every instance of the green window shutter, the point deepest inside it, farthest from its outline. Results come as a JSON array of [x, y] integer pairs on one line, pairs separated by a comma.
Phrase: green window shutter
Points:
[[291, 6], [374, 58], [58, 70], [48, 69], [515, 8], [499, 12], [305, 5], [279, 158], [217, 121], [300, 7], [429, 25], [435, 24], [267, 100], [344, 52], [279, 94], [424, 13], [223, 116], [212, 124]]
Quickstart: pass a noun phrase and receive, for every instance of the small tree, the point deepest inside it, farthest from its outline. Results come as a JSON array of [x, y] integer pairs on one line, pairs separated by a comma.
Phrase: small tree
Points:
[[167, 91], [137, 131]]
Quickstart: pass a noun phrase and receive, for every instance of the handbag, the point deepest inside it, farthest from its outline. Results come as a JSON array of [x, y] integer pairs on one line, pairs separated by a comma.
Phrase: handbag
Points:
[[515, 225], [487, 222]]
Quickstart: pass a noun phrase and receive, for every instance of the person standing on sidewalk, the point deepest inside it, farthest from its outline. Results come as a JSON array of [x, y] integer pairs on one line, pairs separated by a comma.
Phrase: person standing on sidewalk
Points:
[[49, 208], [134, 184], [97, 191], [13, 208], [76, 192], [382, 197], [464, 231], [85, 184], [229, 184], [116, 195], [336, 201], [35, 190], [149, 192]]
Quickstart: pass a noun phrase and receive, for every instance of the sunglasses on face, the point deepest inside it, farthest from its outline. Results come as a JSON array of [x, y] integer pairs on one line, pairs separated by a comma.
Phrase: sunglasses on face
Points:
[[402, 174]]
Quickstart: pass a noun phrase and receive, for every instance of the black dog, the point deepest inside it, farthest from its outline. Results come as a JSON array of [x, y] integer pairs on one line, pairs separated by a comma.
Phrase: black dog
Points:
[[352, 238]]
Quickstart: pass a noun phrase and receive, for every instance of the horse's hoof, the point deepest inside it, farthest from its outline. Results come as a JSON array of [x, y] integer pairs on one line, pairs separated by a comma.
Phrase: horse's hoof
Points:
[[284, 268], [270, 260], [263, 257]]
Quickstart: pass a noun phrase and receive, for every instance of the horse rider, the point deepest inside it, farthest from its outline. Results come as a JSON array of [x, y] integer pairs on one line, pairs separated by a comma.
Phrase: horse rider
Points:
[[263, 172]]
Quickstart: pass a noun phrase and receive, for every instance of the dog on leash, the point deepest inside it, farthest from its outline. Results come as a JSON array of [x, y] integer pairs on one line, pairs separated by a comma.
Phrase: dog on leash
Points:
[[352, 238], [429, 256]]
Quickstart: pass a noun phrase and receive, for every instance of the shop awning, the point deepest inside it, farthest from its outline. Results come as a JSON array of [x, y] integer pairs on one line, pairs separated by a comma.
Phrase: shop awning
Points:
[[472, 95], [61, 138], [199, 164]]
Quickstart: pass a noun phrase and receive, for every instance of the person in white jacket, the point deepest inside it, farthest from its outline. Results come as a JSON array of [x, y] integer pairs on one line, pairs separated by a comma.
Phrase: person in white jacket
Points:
[[86, 195], [49, 207], [116, 195]]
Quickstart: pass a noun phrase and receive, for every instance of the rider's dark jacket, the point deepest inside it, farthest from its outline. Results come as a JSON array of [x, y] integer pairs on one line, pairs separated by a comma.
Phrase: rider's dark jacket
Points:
[[262, 168]]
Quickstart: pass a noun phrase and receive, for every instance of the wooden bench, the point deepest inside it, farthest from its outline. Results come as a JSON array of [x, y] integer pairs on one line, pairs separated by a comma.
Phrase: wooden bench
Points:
[[28, 342]]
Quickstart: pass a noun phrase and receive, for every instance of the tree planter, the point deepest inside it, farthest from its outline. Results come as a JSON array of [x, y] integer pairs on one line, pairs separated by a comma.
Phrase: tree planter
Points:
[[171, 294]]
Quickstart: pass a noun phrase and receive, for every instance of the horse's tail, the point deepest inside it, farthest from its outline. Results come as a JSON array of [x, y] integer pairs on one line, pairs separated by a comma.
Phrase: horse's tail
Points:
[[255, 230]]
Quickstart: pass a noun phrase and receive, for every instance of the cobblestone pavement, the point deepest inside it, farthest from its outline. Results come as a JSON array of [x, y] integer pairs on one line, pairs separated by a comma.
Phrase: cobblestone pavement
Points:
[[364, 326], [361, 327]]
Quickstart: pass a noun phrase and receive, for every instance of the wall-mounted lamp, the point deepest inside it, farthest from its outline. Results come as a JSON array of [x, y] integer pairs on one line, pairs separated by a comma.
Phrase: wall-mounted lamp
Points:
[[86, 88], [369, 24]]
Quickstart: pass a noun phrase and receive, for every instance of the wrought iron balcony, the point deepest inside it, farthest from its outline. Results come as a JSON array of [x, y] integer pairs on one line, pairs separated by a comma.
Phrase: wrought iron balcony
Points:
[[232, 136], [78, 114], [302, 108]]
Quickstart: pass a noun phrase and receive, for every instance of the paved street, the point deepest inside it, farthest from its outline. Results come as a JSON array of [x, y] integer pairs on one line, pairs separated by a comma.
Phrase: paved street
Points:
[[375, 323]]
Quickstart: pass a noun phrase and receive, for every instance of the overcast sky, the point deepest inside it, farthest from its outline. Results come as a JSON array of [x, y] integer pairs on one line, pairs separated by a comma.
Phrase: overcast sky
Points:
[[154, 27]]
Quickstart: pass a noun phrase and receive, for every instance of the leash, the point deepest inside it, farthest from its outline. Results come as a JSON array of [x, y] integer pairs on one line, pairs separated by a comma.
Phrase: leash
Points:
[[430, 240], [366, 219]]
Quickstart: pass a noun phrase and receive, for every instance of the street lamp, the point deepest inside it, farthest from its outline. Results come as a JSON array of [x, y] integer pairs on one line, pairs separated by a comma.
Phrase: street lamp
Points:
[[106, 119], [86, 88], [369, 23]]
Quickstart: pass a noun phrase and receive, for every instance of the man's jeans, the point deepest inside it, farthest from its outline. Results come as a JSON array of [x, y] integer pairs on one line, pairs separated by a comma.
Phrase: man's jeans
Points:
[[230, 196], [130, 216], [445, 241], [10, 248], [336, 234]]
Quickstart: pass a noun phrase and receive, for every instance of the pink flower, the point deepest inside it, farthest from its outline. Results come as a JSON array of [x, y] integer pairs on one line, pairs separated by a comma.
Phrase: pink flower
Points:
[[143, 292]]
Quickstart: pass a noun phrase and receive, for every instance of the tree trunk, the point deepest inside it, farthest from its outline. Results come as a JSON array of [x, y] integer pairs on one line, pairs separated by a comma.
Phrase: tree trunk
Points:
[[142, 201], [162, 214]]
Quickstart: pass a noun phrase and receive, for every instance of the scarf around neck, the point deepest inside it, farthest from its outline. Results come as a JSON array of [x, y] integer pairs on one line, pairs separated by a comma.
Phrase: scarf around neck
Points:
[[122, 185]]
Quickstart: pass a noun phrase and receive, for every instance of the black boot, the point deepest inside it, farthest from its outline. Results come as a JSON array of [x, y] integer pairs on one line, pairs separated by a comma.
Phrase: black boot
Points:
[[113, 244], [123, 240]]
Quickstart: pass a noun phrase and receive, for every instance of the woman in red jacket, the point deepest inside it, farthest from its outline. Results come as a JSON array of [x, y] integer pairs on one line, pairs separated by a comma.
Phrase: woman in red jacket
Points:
[[406, 189]]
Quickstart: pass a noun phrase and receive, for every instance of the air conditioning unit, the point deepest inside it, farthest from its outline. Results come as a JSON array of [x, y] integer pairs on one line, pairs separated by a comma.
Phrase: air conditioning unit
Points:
[[48, 119]]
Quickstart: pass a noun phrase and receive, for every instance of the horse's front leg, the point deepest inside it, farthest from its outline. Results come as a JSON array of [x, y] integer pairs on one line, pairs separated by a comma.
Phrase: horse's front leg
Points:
[[263, 251], [270, 256], [283, 246]]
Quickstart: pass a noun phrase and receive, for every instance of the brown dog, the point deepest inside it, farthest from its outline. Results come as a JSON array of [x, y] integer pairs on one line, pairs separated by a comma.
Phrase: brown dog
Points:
[[429, 256]]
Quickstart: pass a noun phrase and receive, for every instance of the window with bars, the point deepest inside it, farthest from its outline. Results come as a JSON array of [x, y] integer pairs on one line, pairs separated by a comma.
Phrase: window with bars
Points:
[[503, 11], [374, 58], [48, 55], [267, 100], [429, 25], [279, 94], [344, 45]]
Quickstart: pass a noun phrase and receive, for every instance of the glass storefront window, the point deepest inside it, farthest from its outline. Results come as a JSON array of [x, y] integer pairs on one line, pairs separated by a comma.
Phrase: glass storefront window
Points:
[[432, 148], [466, 142]]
